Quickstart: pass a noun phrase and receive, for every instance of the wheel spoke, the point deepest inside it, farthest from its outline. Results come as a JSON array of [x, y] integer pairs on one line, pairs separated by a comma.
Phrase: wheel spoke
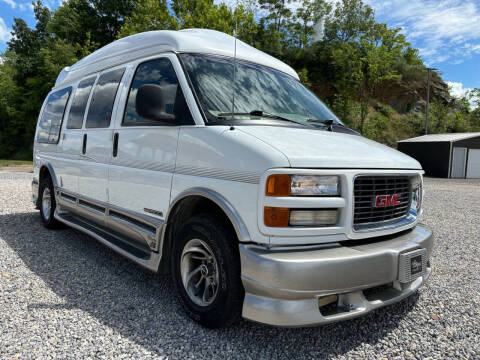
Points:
[[46, 203], [207, 285], [199, 281], [205, 254], [190, 275], [197, 257]]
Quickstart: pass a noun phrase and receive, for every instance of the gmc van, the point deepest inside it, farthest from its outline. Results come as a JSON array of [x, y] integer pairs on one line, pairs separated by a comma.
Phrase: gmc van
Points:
[[192, 153]]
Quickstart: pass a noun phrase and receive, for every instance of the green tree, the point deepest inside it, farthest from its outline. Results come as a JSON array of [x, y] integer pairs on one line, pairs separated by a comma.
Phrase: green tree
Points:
[[364, 53], [309, 13], [101, 19], [10, 118], [155, 15], [277, 12], [149, 15], [203, 14], [26, 43]]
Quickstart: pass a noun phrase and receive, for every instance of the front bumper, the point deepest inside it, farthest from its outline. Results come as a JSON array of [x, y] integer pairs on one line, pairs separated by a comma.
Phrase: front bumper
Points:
[[283, 287]]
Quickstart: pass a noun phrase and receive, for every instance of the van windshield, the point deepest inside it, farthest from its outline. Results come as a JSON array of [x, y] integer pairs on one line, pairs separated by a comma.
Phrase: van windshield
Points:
[[260, 92]]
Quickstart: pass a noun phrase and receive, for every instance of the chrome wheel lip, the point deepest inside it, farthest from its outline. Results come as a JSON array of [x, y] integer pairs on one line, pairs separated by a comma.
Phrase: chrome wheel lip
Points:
[[199, 272], [46, 203]]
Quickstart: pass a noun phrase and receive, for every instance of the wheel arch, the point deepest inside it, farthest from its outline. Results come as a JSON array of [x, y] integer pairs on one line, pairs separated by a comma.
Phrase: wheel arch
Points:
[[47, 169], [195, 201]]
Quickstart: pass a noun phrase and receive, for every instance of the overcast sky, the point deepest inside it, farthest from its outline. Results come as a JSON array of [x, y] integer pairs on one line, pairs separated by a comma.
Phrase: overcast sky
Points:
[[447, 32]]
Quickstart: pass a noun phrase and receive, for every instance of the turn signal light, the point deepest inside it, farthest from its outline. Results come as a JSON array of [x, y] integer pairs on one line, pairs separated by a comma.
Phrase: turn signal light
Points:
[[278, 185], [276, 216]]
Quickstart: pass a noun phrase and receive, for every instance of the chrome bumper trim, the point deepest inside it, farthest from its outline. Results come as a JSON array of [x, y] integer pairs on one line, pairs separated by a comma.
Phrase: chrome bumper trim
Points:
[[282, 287]]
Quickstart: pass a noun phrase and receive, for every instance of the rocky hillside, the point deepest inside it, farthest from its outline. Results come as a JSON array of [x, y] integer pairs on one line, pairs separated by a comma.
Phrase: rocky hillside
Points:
[[411, 94]]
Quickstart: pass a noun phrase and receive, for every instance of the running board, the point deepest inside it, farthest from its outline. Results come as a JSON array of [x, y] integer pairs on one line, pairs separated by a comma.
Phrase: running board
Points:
[[145, 258]]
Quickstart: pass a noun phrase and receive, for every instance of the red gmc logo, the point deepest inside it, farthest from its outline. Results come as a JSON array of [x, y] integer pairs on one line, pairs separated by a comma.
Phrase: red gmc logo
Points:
[[387, 200]]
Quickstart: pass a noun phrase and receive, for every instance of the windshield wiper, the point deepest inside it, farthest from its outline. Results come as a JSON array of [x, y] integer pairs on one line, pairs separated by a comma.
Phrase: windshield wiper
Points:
[[327, 123], [261, 113]]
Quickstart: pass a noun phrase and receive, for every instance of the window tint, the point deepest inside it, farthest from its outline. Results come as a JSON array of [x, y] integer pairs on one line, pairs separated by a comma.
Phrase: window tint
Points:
[[51, 120], [101, 105], [256, 88], [79, 103], [159, 72]]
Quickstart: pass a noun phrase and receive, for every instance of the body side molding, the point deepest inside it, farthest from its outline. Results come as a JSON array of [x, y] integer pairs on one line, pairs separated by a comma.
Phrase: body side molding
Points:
[[129, 223], [151, 263]]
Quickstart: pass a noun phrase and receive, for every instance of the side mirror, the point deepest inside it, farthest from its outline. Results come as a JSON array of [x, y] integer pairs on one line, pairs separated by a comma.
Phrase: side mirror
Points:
[[150, 104]]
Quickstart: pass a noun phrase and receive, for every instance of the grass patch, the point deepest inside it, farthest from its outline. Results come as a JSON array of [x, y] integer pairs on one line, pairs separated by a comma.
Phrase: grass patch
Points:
[[5, 163]]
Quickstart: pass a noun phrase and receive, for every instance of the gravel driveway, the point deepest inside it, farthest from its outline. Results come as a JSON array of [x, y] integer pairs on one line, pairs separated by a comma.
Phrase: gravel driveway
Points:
[[64, 295]]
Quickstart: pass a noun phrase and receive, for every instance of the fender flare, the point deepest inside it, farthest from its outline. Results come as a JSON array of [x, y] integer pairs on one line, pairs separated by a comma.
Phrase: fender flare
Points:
[[237, 222], [52, 173]]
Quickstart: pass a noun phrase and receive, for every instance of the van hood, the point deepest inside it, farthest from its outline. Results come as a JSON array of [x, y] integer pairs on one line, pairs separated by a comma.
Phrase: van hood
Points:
[[307, 148]]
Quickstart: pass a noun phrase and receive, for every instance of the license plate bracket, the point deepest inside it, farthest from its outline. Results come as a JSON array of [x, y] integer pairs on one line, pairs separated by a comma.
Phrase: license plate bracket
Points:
[[412, 265]]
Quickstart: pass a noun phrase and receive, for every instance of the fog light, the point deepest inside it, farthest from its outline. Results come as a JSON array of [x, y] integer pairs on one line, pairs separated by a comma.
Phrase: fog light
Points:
[[325, 217], [325, 300]]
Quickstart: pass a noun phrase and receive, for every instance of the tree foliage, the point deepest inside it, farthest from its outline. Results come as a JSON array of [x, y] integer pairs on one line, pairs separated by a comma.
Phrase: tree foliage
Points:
[[357, 59]]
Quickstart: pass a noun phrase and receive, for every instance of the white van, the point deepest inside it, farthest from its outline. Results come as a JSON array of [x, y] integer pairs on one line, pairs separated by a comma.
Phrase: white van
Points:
[[192, 153]]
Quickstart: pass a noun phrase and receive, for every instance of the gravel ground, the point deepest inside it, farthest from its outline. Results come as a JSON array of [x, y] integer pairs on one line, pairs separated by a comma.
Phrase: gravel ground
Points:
[[64, 295]]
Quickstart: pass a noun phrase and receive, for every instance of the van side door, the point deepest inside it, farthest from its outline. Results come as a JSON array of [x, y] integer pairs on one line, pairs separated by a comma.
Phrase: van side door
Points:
[[97, 143], [144, 152], [70, 146]]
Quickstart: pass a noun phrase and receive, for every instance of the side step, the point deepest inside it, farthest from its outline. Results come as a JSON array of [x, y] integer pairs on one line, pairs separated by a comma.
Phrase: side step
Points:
[[146, 258]]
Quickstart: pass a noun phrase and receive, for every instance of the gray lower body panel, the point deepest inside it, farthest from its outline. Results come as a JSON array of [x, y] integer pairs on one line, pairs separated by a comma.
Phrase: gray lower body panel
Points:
[[283, 287], [35, 194], [149, 260], [135, 236]]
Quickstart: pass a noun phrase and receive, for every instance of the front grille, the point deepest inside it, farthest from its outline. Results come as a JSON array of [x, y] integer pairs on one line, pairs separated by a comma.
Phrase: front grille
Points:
[[367, 188]]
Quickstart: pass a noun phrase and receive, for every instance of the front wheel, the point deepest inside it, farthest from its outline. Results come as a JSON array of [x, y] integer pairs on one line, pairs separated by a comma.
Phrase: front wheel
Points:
[[206, 271]]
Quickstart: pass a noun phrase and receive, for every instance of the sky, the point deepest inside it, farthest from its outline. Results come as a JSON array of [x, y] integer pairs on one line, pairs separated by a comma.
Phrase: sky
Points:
[[447, 32]]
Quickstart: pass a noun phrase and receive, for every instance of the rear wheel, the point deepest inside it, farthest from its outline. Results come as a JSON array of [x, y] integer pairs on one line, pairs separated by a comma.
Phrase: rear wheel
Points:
[[206, 271], [48, 204]]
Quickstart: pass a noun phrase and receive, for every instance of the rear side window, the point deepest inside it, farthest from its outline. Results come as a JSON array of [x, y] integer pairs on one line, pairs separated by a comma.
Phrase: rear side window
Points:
[[51, 120], [159, 72], [79, 103], [101, 105]]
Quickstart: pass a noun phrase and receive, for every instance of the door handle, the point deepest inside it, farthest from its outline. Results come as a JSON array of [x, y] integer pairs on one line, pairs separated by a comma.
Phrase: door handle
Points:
[[115, 145], [84, 146]]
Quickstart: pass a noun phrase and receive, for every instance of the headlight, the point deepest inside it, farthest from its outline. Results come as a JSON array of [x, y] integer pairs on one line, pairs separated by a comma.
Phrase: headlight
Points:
[[302, 185], [417, 194]]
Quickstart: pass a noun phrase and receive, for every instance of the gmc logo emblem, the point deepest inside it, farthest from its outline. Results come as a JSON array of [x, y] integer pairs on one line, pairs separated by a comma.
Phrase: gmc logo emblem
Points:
[[387, 200]]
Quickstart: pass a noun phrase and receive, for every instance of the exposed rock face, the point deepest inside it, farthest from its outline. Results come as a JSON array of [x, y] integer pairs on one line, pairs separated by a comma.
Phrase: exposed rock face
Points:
[[406, 96]]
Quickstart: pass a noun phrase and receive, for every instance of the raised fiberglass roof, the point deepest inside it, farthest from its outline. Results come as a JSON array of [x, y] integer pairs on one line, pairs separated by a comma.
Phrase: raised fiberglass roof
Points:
[[152, 42], [442, 137]]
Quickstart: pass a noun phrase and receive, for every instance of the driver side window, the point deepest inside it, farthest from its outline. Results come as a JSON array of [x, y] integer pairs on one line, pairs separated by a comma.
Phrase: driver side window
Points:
[[159, 72]]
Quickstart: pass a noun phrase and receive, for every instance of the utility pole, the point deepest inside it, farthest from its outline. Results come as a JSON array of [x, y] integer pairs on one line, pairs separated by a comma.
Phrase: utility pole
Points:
[[428, 98]]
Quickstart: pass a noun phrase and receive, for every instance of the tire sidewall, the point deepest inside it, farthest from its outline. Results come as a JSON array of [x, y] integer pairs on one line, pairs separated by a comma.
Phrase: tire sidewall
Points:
[[214, 314], [47, 183]]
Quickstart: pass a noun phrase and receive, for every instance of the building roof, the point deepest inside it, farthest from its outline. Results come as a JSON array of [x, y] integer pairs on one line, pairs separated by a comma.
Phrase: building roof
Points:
[[153, 42], [442, 137]]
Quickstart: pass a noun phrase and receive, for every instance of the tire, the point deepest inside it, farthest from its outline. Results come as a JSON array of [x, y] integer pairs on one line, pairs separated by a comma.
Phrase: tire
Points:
[[223, 306], [46, 189]]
